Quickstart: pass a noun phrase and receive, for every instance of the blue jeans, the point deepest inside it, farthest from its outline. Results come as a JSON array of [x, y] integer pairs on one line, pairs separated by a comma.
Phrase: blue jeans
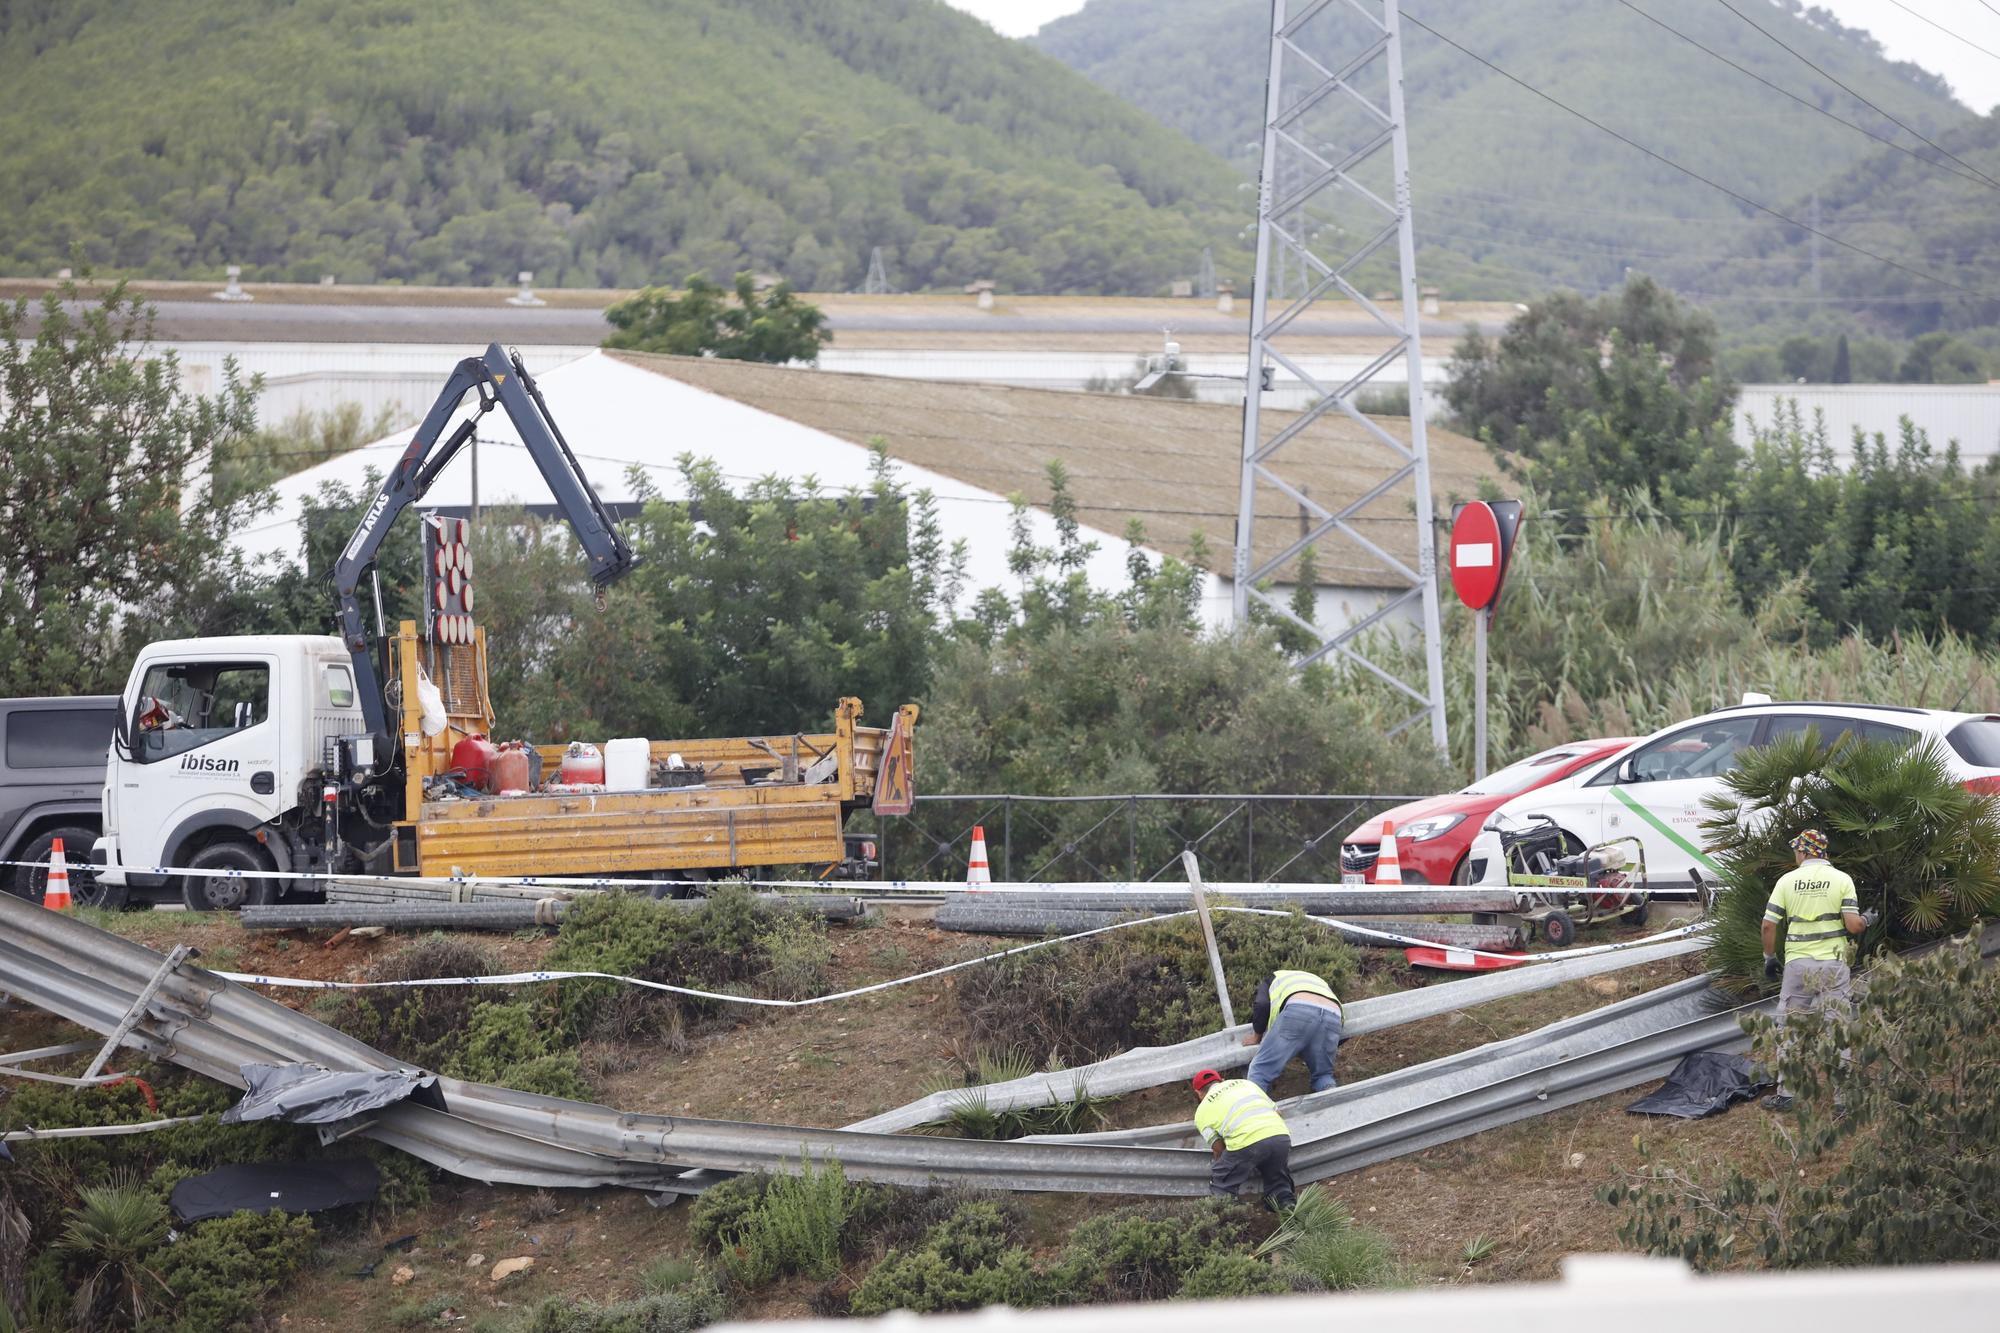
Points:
[[1308, 1030]]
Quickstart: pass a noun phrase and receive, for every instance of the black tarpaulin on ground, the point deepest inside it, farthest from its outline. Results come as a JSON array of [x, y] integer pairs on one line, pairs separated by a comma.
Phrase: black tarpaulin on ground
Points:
[[309, 1094], [1701, 1085], [263, 1187]]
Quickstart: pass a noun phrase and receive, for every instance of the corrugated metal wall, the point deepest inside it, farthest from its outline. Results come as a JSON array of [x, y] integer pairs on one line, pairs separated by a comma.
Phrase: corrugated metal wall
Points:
[[1967, 413]]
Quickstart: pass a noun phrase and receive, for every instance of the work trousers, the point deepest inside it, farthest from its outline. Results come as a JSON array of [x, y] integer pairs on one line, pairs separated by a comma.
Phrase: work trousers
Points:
[[1267, 1162], [1814, 986], [1311, 1031]]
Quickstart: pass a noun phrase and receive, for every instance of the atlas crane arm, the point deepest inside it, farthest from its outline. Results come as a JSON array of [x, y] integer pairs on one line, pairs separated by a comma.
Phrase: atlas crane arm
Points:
[[498, 378]]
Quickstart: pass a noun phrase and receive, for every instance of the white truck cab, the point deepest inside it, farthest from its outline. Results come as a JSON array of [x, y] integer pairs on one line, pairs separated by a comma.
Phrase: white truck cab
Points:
[[222, 748]]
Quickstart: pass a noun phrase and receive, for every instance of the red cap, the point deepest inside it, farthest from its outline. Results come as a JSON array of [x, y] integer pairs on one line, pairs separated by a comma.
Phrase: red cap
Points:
[[1206, 1079]]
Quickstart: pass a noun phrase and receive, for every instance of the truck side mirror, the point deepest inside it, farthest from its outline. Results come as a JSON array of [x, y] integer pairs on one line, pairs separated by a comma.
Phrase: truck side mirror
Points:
[[121, 734]]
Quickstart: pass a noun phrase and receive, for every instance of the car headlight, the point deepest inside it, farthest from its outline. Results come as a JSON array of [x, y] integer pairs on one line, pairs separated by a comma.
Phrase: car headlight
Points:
[[1423, 830]]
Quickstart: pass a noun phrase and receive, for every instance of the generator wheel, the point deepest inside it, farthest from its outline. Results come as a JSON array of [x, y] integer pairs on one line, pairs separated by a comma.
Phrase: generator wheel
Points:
[[1641, 909], [1558, 929]]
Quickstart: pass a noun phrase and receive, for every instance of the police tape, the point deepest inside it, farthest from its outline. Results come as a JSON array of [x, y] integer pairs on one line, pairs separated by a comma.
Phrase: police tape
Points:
[[865, 887], [692, 992]]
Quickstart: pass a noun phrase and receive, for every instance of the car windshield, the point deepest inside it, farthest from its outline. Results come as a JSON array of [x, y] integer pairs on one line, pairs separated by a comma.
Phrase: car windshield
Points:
[[1977, 742], [1519, 777]]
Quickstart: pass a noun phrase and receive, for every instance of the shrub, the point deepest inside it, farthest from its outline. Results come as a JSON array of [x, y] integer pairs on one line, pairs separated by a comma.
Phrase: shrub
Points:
[[221, 1270], [1320, 1240], [109, 1235], [681, 1310], [423, 1025], [1146, 1253], [796, 954], [726, 941], [778, 1224], [1225, 1275], [1148, 985], [1915, 840], [509, 1045], [967, 1261], [1913, 1169]]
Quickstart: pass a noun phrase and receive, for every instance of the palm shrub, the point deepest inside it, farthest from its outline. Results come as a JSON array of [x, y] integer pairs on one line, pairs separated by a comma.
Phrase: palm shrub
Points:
[[1918, 844], [111, 1233]]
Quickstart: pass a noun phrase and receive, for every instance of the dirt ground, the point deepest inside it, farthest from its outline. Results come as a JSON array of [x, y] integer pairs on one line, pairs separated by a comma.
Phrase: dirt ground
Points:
[[1527, 1189]]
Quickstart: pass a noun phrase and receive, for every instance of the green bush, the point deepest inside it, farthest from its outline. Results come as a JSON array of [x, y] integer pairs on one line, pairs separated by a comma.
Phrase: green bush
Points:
[[796, 954], [1320, 1241], [1227, 1275], [782, 1225], [220, 1271], [725, 1208], [1917, 843], [1144, 986], [423, 1025], [1909, 1173], [1146, 1253], [727, 941], [688, 1306], [509, 1044], [968, 1260], [108, 1237]]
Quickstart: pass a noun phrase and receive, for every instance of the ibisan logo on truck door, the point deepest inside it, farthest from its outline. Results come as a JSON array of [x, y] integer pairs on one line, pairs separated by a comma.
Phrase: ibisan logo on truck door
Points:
[[201, 763]]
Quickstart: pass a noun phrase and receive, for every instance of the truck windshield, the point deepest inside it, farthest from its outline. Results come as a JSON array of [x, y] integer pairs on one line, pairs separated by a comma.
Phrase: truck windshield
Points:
[[185, 705]]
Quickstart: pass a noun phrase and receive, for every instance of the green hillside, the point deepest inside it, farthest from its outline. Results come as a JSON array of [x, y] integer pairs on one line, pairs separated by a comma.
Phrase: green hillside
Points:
[[1898, 207], [1513, 194], [595, 142]]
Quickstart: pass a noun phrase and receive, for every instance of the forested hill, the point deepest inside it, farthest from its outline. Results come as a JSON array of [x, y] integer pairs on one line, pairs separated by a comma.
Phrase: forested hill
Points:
[[594, 142], [1944, 226], [1512, 192]]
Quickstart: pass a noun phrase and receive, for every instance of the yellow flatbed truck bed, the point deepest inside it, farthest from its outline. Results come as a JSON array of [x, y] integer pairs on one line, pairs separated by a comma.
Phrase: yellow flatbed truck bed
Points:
[[765, 800]]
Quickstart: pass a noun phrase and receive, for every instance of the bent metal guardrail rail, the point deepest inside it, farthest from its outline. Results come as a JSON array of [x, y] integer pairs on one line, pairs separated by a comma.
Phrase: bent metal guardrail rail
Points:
[[214, 1027]]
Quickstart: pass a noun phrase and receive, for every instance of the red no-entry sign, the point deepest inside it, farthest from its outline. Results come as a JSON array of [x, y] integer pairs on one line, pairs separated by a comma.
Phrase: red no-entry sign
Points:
[[1478, 557]]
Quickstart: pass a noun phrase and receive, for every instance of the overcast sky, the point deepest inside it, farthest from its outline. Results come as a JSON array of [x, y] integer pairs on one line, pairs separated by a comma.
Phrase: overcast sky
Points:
[[1974, 76]]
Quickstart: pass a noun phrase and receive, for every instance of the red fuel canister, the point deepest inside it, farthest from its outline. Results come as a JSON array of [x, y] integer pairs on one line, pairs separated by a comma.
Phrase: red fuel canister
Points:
[[474, 757], [512, 769]]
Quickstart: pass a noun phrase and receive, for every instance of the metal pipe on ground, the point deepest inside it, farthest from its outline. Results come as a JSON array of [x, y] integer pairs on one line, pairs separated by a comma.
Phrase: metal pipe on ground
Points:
[[978, 919], [496, 915]]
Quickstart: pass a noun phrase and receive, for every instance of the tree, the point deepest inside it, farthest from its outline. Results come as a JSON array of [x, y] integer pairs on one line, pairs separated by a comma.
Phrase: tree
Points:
[[112, 528], [1843, 363], [1604, 397], [771, 326], [1939, 358]]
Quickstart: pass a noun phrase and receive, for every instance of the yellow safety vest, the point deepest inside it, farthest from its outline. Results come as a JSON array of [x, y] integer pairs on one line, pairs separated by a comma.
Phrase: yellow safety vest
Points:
[[1239, 1113], [1285, 983], [1812, 902]]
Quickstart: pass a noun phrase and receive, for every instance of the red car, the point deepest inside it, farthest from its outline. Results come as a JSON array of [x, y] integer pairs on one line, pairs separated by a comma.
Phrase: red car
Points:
[[1433, 836]]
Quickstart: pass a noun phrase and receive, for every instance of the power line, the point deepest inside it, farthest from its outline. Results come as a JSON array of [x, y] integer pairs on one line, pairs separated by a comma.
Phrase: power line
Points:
[[1947, 31], [1977, 178], [1800, 57], [1690, 172]]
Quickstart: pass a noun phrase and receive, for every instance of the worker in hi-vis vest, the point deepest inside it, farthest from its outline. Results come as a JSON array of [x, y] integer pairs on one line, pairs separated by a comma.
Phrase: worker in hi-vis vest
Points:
[[1298, 1014], [1816, 905], [1247, 1138]]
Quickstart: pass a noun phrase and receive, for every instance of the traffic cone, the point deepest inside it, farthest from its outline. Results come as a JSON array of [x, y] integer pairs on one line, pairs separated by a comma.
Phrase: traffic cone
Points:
[[977, 875], [55, 896], [1388, 866]]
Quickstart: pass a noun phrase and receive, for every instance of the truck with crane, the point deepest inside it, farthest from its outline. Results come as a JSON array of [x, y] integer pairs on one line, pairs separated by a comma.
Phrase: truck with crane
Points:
[[246, 767]]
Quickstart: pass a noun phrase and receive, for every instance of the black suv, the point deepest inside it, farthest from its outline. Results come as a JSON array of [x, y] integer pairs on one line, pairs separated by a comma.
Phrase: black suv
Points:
[[52, 758]]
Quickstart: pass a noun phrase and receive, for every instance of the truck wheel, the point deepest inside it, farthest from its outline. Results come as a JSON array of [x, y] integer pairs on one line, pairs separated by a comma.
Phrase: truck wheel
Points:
[[28, 881], [223, 892]]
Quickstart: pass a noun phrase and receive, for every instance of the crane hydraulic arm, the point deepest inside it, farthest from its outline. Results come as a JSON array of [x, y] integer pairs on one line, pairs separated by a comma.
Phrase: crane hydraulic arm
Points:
[[498, 378]]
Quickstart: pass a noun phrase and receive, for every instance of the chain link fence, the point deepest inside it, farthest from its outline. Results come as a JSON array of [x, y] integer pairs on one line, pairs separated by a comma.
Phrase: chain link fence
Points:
[[1030, 839]]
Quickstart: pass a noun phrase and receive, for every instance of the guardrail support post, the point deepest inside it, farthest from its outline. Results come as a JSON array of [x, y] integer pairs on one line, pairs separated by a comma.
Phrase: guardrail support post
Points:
[[1208, 935], [173, 960]]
